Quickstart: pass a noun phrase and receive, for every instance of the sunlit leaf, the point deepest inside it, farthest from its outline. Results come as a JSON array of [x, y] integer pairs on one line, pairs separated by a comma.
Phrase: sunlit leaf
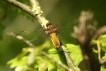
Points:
[[102, 40], [41, 63], [51, 66], [103, 68], [75, 53], [93, 41], [17, 63]]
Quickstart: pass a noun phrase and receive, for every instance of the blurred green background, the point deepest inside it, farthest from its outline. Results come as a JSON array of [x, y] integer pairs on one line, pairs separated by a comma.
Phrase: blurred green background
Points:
[[56, 11]]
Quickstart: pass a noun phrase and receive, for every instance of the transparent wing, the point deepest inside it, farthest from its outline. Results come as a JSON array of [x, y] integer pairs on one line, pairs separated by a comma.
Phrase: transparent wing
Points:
[[66, 28], [35, 36]]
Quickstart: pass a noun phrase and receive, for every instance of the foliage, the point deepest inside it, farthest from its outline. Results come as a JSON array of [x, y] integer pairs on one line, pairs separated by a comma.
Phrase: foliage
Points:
[[101, 48], [32, 59]]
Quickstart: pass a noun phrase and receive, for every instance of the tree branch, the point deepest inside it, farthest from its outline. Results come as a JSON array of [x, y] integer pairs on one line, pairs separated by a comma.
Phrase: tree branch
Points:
[[103, 61], [100, 31], [84, 36], [34, 11], [20, 38]]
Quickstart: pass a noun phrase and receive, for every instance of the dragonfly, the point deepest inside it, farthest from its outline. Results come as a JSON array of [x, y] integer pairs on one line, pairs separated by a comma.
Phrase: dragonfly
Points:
[[52, 32]]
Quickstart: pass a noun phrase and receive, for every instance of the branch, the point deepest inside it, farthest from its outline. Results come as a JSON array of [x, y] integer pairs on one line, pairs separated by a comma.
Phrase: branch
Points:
[[34, 11], [20, 38], [103, 61], [100, 31], [83, 35], [22, 6]]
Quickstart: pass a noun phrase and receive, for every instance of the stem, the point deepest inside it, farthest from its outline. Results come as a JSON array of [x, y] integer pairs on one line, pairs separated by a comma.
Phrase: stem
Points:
[[35, 12]]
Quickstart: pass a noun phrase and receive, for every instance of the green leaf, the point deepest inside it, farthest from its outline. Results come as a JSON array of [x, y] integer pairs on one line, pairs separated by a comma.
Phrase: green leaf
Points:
[[54, 54], [17, 63], [75, 53], [13, 63], [41, 63], [51, 67], [103, 68], [102, 40], [93, 41]]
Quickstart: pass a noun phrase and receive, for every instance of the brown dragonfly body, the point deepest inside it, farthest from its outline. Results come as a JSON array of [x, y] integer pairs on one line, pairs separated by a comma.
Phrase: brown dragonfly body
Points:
[[52, 33]]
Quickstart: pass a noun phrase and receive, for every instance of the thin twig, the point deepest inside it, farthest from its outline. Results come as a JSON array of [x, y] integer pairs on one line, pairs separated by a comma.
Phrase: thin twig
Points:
[[22, 6], [100, 31], [34, 4], [20, 38], [34, 11], [103, 61]]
